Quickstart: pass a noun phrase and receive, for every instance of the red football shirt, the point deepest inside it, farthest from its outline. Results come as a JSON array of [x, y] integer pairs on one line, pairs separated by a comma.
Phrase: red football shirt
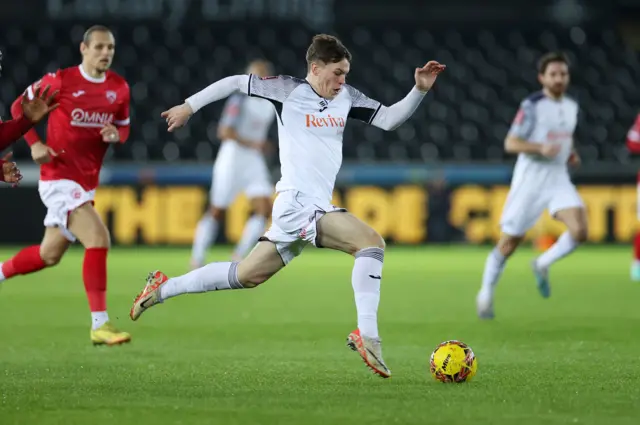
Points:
[[86, 105], [633, 136]]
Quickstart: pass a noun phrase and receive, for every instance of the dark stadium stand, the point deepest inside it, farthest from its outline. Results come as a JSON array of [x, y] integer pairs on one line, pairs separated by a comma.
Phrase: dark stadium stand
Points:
[[465, 118]]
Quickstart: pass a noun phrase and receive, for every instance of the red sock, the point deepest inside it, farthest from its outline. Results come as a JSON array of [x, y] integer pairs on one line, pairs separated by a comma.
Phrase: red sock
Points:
[[24, 262], [94, 274], [636, 247]]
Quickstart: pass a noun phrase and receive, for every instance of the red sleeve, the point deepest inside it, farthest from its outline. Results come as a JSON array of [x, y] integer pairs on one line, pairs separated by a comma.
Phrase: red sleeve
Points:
[[50, 79], [11, 131], [633, 137], [122, 119]]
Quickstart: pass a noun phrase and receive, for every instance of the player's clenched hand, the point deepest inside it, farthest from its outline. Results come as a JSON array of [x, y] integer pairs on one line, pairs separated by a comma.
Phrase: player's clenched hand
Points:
[[177, 116], [37, 108], [42, 153], [10, 170], [110, 134], [426, 76], [549, 150]]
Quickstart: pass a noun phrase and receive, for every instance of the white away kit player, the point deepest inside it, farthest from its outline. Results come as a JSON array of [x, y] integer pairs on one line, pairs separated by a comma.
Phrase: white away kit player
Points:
[[311, 115], [239, 167], [542, 136]]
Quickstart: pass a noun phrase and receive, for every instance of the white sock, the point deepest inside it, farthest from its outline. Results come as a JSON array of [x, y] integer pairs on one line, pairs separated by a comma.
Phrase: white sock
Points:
[[98, 318], [493, 268], [212, 277], [2, 278], [206, 233], [253, 229], [365, 279], [563, 247]]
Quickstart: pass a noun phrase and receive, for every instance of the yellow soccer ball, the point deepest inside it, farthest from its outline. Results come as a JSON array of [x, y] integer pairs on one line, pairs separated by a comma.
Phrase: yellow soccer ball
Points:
[[453, 361]]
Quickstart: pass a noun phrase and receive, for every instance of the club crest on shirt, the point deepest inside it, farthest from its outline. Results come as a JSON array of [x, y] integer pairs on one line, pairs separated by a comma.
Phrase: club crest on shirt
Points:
[[111, 96]]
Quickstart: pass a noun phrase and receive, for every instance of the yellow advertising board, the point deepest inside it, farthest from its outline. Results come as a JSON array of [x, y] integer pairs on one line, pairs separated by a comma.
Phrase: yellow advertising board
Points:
[[169, 214]]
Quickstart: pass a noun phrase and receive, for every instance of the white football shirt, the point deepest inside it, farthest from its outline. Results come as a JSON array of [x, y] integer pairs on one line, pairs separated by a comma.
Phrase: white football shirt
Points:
[[250, 117], [541, 119], [310, 130]]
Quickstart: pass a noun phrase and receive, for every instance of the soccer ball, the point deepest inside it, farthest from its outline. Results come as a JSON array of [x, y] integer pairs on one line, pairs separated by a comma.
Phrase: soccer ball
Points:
[[453, 361]]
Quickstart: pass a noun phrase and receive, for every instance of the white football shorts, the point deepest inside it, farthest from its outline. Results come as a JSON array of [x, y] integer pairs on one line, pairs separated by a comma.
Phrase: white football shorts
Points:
[[239, 169], [61, 197], [528, 199], [293, 226]]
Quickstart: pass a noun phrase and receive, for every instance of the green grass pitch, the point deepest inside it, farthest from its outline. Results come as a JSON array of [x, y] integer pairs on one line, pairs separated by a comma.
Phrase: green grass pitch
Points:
[[277, 355]]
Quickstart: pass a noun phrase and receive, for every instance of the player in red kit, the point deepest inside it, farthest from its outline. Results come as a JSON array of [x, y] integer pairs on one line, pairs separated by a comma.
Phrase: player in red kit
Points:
[[633, 143], [93, 114]]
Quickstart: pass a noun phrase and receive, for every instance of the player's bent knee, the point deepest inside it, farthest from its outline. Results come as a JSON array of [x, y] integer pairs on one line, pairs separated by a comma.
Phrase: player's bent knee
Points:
[[217, 213], [51, 256], [98, 239], [508, 244], [369, 240], [580, 234]]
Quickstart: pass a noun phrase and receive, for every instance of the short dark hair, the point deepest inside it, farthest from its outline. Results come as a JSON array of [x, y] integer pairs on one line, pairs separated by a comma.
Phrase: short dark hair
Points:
[[86, 38], [328, 49], [549, 58]]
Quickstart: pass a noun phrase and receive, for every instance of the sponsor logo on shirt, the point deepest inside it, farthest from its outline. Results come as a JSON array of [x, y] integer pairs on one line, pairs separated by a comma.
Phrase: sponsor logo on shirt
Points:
[[328, 121], [81, 118], [554, 136]]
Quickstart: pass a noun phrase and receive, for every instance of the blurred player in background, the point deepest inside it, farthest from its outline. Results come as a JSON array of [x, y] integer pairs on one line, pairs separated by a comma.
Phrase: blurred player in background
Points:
[[93, 114], [633, 144], [239, 166], [542, 136], [31, 112], [312, 114]]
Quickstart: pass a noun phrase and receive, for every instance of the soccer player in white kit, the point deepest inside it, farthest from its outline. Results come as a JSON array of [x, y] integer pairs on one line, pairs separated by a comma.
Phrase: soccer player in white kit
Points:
[[311, 115], [239, 166], [542, 136]]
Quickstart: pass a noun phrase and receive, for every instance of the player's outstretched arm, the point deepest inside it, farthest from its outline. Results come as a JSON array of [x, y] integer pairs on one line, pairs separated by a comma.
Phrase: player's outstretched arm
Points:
[[178, 116], [26, 113], [35, 105], [11, 131], [391, 117]]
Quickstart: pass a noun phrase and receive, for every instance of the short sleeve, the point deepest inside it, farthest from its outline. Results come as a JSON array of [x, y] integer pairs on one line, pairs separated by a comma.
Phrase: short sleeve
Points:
[[232, 110], [525, 121], [363, 108], [51, 79], [275, 89]]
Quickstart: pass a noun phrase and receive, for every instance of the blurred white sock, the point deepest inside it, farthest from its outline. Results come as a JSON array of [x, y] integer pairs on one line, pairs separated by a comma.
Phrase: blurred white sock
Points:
[[253, 229], [564, 246], [206, 233], [493, 267]]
